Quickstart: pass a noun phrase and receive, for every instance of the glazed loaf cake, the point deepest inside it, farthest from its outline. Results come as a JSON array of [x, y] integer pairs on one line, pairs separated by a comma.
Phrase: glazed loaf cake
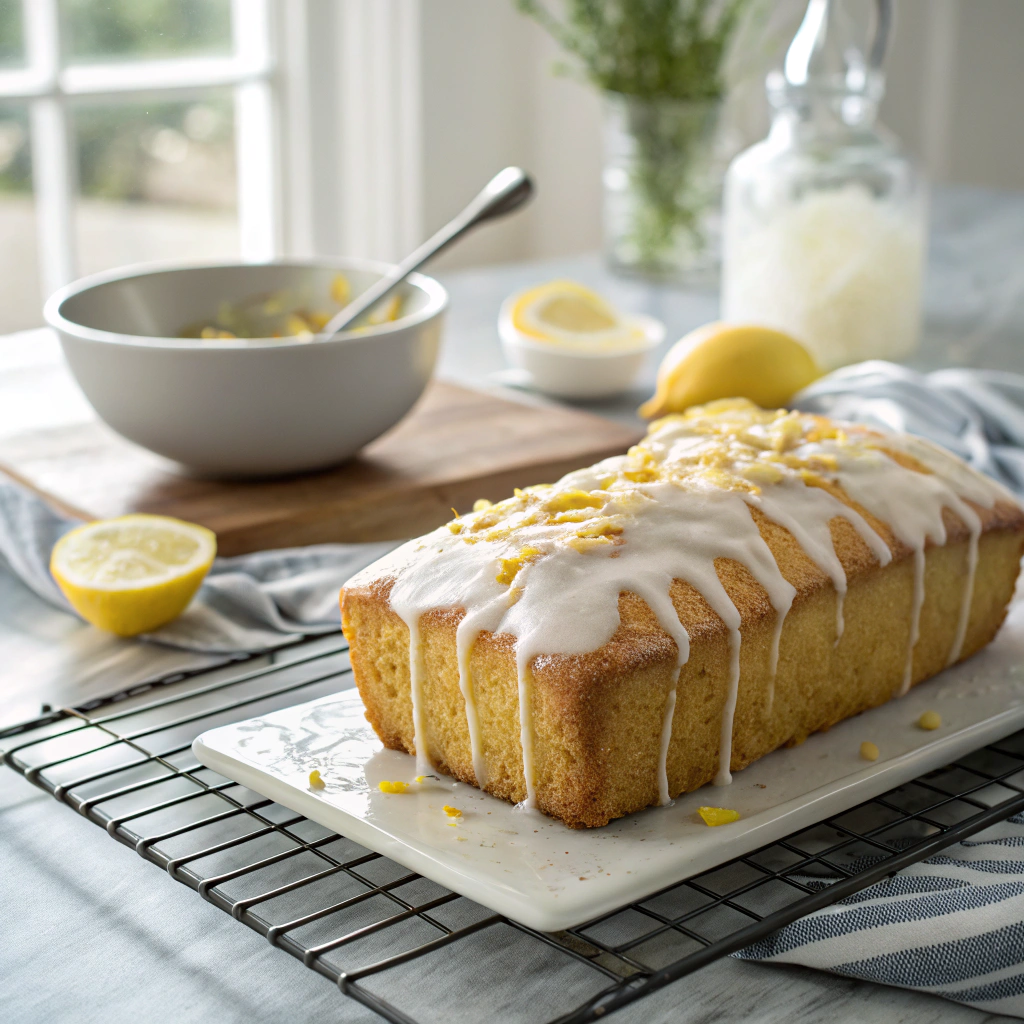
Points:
[[737, 581]]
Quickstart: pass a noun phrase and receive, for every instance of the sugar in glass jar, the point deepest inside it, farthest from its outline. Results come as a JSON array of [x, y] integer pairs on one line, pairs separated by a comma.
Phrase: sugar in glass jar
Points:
[[825, 220]]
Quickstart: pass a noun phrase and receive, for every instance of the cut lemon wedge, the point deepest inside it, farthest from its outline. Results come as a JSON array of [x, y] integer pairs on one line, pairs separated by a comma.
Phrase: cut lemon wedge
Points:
[[731, 361], [567, 313], [132, 574]]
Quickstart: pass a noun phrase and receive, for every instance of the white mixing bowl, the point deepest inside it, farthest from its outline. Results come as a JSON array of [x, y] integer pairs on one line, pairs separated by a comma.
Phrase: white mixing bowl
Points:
[[234, 407]]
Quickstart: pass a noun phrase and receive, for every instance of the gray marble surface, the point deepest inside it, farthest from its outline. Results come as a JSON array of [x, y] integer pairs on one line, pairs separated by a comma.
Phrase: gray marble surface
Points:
[[91, 932]]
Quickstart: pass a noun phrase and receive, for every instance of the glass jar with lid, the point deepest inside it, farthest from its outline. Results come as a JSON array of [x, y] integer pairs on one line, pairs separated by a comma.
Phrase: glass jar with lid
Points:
[[824, 221]]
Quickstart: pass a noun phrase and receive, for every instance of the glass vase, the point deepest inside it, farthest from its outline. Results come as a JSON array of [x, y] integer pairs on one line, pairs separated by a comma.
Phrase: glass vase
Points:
[[663, 187]]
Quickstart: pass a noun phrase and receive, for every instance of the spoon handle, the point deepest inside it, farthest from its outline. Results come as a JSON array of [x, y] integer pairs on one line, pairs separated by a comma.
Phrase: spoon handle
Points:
[[505, 192]]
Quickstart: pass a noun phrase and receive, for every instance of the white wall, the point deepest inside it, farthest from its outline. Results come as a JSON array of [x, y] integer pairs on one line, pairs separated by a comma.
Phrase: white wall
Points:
[[956, 98], [476, 112], [489, 99]]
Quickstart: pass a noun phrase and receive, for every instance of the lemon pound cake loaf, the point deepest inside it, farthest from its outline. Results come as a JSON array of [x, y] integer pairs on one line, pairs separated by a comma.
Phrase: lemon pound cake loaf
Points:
[[737, 581]]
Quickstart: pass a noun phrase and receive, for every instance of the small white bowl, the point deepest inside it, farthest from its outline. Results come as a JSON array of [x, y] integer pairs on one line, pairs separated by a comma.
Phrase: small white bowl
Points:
[[243, 407], [567, 372]]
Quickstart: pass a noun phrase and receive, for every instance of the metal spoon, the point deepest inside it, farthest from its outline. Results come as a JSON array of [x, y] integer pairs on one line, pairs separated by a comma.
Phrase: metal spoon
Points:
[[505, 192]]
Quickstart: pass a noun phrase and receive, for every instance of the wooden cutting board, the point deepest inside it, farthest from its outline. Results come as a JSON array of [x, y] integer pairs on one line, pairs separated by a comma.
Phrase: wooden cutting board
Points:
[[456, 446]]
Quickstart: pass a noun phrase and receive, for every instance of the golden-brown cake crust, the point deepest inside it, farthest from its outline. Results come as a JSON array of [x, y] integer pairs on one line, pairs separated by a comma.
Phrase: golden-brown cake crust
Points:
[[597, 718]]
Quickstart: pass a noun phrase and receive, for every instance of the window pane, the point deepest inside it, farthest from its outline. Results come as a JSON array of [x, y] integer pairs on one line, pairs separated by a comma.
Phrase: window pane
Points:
[[12, 48], [95, 30], [157, 181], [20, 291]]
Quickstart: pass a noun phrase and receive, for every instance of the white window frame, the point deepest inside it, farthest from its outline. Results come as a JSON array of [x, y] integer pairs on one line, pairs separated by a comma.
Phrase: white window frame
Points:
[[48, 89], [327, 119]]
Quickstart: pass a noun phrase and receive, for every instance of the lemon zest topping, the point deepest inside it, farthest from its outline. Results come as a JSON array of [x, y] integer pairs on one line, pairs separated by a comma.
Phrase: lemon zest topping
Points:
[[585, 544], [392, 787], [575, 515], [714, 816], [315, 782], [605, 528], [510, 566], [562, 501], [728, 444]]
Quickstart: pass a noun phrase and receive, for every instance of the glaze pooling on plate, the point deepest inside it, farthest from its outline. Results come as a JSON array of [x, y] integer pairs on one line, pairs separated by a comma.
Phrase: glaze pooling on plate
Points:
[[547, 566]]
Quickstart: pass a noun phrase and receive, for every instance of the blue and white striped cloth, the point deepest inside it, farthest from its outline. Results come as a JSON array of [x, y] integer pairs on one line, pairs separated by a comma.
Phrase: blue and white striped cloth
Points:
[[977, 414], [951, 926]]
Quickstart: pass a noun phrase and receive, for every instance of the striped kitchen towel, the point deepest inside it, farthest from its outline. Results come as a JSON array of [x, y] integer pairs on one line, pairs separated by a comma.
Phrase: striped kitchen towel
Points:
[[950, 926], [977, 414]]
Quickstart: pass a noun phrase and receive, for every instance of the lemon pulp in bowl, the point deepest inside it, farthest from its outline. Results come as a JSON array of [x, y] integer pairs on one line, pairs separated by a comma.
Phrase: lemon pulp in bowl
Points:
[[293, 313]]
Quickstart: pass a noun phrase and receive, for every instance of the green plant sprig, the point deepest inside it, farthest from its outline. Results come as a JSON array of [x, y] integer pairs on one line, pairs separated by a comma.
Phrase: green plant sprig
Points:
[[652, 49]]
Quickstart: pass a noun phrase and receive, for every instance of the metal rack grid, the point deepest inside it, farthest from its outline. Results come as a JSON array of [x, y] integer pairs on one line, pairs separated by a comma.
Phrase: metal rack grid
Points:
[[376, 929]]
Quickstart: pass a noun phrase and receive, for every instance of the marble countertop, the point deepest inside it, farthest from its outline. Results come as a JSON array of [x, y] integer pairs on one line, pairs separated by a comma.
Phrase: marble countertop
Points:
[[93, 933]]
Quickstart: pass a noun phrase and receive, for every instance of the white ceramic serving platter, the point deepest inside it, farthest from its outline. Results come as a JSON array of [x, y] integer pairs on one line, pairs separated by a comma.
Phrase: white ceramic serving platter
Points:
[[535, 870]]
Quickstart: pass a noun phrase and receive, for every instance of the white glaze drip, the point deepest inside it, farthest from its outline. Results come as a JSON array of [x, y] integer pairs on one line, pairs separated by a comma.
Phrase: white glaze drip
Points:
[[723, 777], [970, 487], [664, 795], [524, 677], [912, 503], [806, 513], [915, 617], [973, 523], [661, 604], [423, 765], [548, 566], [421, 592], [468, 630]]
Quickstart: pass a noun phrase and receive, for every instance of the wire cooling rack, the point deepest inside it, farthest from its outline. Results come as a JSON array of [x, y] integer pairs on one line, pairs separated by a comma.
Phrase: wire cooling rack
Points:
[[385, 935]]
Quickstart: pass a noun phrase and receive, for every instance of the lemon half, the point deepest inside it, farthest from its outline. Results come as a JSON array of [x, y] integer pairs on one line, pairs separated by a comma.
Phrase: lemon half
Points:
[[722, 360], [132, 574], [567, 313]]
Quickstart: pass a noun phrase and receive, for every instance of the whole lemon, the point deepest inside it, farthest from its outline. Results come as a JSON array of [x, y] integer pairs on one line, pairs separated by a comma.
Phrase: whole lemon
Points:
[[722, 360]]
